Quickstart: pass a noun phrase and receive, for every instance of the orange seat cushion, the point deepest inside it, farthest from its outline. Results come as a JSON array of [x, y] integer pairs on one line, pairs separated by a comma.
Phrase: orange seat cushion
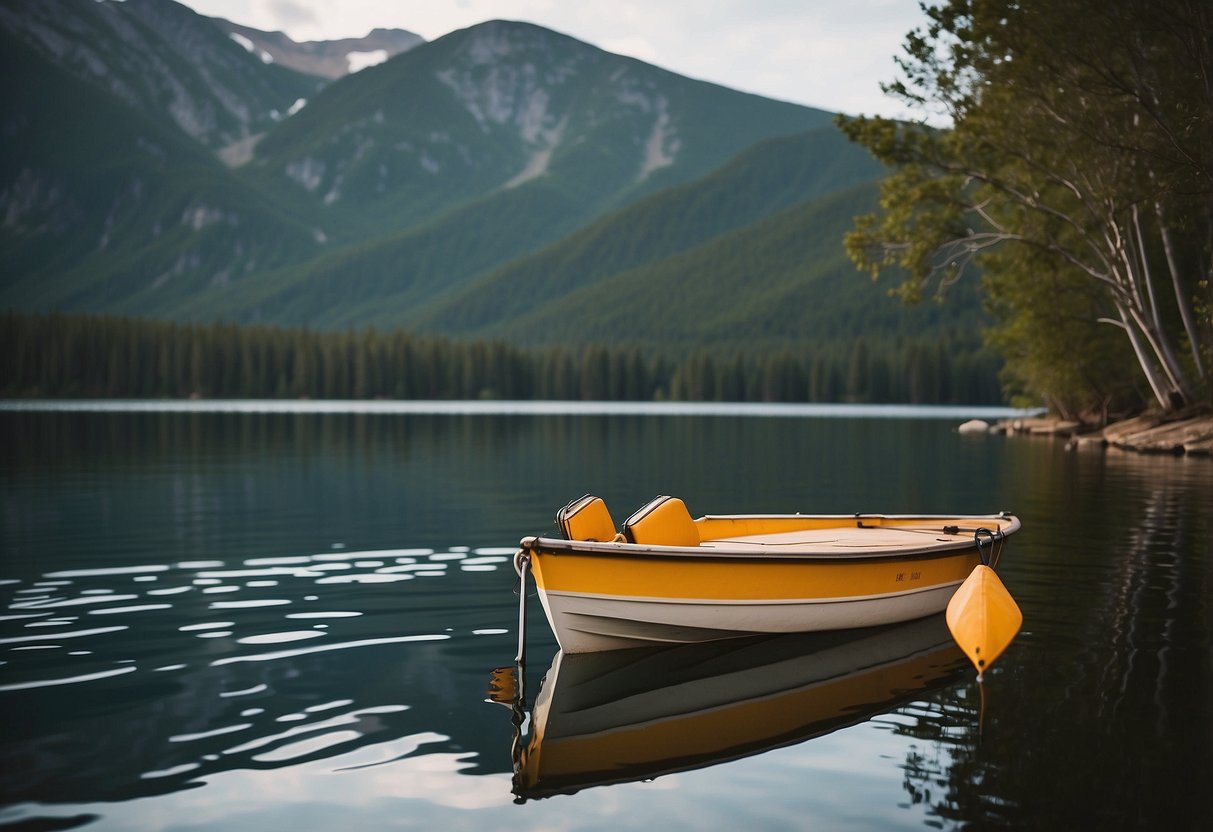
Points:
[[663, 522]]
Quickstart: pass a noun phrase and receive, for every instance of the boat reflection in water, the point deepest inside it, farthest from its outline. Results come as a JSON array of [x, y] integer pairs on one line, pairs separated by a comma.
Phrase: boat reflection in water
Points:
[[621, 716]]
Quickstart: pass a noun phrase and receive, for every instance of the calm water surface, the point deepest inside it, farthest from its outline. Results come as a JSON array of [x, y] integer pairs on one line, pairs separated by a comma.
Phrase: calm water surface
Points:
[[291, 620]]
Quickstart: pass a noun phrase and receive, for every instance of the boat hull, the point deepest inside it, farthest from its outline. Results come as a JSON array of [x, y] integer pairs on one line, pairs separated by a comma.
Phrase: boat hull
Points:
[[609, 596], [586, 623]]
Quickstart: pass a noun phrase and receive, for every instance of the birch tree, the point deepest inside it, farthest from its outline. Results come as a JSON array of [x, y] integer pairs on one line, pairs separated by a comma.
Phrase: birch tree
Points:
[[1079, 134]]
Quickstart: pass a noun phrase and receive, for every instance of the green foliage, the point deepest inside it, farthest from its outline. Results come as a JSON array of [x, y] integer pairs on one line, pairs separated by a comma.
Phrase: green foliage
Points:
[[1056, 352], [1078, 147], [545, 296], [61, 355], [781, 282]]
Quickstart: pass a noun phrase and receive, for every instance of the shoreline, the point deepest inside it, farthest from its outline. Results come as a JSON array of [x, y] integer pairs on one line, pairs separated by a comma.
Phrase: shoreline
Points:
[[506, 407], [1176, 434]]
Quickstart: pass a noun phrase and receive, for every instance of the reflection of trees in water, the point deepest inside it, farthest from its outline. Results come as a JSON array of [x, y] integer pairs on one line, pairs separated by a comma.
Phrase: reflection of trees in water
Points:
[[1102, 713], [514, 470]]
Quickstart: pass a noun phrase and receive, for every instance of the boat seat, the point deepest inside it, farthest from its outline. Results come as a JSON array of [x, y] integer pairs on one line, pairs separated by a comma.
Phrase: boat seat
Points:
[[665, 521], [586, 518]]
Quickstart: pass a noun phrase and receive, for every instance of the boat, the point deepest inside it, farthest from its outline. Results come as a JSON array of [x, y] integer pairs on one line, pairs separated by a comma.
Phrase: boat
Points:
[[666, 578], [629, 715]]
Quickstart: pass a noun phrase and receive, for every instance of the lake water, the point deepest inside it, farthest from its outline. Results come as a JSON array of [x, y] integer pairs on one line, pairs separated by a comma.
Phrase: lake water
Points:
[[291, 620]]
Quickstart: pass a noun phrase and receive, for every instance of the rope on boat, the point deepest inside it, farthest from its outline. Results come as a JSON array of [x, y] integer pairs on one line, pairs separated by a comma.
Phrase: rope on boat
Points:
[[931, 530], [994, 541], [984, 538], [519, 715], [522, 564]]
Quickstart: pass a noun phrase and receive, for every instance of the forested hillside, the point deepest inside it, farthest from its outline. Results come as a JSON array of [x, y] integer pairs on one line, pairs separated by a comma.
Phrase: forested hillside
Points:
[[586, 278]]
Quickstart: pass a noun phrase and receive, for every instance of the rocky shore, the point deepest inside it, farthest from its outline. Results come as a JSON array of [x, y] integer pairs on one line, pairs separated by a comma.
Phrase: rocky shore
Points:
[[1177, 434]]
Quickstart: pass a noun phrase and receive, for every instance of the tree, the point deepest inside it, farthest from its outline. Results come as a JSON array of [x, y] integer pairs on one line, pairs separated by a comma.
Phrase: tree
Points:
[[1079, 137]]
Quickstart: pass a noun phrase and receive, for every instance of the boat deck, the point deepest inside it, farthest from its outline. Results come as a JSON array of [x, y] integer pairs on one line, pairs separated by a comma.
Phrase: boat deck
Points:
[[843, 539]]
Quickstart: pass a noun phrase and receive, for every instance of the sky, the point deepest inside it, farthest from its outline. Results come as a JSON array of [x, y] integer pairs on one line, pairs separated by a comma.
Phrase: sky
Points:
[[830, 54]]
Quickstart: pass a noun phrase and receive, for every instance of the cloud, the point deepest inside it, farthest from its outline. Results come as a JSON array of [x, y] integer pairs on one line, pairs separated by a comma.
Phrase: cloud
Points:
[[291, 14], [633, 47]]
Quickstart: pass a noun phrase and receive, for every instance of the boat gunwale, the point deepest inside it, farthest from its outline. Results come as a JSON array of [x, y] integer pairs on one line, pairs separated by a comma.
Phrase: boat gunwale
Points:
[[537, 544]]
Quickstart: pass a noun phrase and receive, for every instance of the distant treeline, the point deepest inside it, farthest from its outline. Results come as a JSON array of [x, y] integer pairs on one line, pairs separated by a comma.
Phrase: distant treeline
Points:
[[59, 355]]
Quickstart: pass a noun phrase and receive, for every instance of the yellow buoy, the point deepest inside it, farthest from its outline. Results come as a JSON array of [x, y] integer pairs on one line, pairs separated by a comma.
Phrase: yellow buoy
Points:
[[983, 617]]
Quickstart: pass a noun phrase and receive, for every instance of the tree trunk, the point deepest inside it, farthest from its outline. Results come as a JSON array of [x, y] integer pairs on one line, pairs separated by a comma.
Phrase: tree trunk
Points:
[[1157, 385], [1181, 300]]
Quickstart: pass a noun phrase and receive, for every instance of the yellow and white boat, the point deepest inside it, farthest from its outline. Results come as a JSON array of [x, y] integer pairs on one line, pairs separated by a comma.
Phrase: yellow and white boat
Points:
[[666, 578]]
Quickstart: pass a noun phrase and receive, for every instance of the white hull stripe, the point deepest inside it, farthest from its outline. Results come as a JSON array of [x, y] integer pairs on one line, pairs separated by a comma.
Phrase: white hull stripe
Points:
[[749, 602]]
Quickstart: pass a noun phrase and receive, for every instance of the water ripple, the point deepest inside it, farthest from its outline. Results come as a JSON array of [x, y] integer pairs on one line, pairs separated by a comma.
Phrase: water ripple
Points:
[[170, 772], [363, 579], [351, 718], [246, 691], [247, 605], [308, 747], [346, 645], [206, 625], [68, 680], [230, 662], [112, 570], [279, 638], [71, 602], [215, 732], [95, 631], [134, 608]]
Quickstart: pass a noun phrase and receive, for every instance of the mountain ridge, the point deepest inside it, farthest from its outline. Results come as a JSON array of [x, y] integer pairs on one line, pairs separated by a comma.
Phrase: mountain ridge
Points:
[[329, 59], [158, 56]]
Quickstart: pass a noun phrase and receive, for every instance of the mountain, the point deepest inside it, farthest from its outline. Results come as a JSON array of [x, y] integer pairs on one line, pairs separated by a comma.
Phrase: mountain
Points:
[[330, 59], [510, 137], [503, 107], [445, 162], [502, 181], [161, 59], [124, 214]]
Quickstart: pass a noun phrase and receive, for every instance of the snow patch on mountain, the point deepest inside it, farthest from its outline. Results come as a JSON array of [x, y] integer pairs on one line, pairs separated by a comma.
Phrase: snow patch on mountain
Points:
[[538, 164], [307, 172], [359, 61], [199, 216], [507, 76], [251, 48], [663, 145], [243, 41]]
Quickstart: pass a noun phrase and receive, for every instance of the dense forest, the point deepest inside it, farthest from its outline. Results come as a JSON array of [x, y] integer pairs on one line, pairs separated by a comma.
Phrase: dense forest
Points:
[[60, 355]]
